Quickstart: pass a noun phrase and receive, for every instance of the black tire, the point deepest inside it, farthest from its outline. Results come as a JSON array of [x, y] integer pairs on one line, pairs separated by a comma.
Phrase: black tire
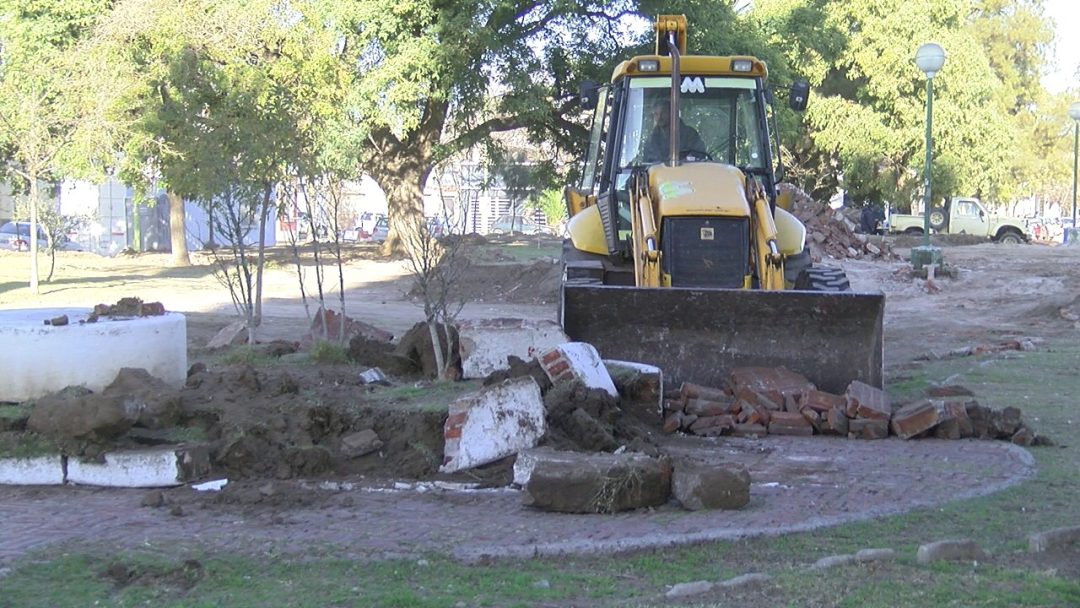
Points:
[[1010, 237], [794, 265], [938, 218], [823, 278], [913, 232]]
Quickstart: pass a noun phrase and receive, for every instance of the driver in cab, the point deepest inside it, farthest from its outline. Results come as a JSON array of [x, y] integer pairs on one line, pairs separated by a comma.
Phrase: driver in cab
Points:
[[658, 145]]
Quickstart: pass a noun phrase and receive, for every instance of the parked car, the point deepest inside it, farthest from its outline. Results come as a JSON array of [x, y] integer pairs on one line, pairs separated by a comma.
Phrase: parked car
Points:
[[381, 230], [519, 224], [16, 235]]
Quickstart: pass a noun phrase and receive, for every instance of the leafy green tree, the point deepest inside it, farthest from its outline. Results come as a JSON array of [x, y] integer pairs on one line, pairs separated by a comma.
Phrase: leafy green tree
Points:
[[44, 104], [867, 115]]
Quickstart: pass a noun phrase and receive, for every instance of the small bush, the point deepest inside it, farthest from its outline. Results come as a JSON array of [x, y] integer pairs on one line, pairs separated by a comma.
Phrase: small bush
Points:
[[246, 354], [328, 352]]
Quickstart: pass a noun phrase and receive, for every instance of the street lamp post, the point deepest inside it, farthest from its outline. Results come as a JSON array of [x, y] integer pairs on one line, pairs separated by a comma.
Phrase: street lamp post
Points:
[[1074, 113], [930, 57]]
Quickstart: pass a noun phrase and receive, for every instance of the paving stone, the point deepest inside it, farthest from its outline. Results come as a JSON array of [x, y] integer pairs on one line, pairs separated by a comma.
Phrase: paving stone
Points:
[[37, 471], [699, 486], [153, 468], [950, 550], [1056, 538], [577, 482], [753, 579], [688, 589], [833, 561], [875, 555]]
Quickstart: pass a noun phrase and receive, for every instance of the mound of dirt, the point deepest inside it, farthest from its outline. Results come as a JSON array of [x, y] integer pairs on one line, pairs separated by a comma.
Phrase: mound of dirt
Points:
[[535, 283]]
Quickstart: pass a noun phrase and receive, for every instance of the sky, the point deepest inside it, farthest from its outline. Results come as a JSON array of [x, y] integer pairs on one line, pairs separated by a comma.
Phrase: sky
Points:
[[1066, 15]]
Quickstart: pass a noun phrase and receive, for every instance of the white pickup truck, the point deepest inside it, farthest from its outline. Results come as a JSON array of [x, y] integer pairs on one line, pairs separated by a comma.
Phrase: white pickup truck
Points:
[[964, 215]]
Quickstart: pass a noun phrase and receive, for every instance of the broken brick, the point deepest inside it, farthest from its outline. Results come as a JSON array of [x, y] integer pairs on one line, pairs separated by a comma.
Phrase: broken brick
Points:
[[674, 405], [689, 390], [704, 423], [868, 428], [673, 422], [836, 421], [768, 384], [776, 428], [820, 401], [749, 430], [915, 418], [706, 408], [865, 401]]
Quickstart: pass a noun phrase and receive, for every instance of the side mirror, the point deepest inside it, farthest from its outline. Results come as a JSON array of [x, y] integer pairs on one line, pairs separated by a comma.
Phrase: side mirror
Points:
[[800, 93], [588, 93]]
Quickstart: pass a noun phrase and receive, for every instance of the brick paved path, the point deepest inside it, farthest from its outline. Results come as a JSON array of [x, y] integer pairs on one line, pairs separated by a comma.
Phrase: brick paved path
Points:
[[799, 484]]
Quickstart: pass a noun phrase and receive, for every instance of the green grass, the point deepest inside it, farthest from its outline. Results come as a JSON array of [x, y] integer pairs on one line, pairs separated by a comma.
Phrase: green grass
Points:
[[14, 412], [246, 354], [26, 445], [432, 396], [329, 353], [187, 434], [1043, 384]]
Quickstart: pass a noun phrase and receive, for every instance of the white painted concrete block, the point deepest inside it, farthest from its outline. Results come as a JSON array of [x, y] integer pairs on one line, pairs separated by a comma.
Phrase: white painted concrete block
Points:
[[155, 468], [37, 471], [86, 354], [577, 360], [493, 423], [485, 345]]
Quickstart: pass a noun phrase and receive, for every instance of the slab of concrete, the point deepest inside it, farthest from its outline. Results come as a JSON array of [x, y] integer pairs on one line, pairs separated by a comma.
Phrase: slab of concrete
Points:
[[578, 360], [493, 423], [156, 468], [596, 482], [484, 345], [37, 471]]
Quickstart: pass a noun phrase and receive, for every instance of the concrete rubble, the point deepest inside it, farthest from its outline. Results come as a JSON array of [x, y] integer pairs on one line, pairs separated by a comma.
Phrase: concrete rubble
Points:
[[830, 233], [493, 423], [577, 482]]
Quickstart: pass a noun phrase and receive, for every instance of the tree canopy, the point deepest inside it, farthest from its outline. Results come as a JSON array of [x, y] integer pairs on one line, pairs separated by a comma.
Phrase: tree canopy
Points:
[[200, 96]]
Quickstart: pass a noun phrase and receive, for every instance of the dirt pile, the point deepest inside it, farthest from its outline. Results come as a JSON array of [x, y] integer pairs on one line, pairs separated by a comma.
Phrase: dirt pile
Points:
[[126, 308], [830, 234], [534, 283]]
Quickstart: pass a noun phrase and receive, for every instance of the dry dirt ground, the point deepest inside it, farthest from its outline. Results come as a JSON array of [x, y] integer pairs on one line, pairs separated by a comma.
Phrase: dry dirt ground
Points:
[[287, 420]]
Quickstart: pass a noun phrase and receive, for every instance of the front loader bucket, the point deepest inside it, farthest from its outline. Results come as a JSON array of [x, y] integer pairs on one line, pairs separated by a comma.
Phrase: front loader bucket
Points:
[[700, 335]]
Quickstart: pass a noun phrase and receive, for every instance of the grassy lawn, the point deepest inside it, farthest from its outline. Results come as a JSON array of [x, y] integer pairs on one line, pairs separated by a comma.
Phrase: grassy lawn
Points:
[[1042, 383]]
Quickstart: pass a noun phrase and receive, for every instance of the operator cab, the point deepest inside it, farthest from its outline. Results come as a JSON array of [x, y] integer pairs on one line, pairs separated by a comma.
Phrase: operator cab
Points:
[[722, 119]]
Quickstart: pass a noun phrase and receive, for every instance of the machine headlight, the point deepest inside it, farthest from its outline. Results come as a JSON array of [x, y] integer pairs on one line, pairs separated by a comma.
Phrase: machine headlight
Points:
[[742, 65], [649, 65]]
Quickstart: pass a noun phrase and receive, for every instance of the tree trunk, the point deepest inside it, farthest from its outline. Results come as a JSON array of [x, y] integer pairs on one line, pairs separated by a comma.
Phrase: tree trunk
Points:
[[33, 233], [178, 230], [403, 180], [264, 211]]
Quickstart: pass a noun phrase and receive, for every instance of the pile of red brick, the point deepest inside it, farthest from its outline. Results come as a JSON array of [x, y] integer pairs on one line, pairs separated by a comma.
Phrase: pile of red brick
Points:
[[776, 401], [829, 233]]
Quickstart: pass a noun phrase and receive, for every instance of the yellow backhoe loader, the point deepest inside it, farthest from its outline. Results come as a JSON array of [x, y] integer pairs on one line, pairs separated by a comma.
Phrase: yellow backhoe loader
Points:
[[679, 253]]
